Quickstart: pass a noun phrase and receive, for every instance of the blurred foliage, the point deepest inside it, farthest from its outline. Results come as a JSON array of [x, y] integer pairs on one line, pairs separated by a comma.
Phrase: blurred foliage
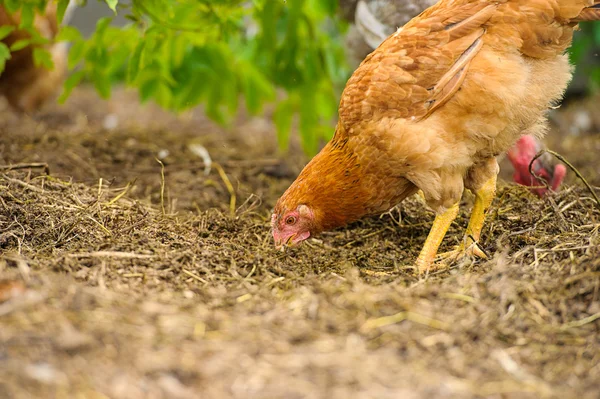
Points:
[[188, 52], [587, 44], [181, 53]]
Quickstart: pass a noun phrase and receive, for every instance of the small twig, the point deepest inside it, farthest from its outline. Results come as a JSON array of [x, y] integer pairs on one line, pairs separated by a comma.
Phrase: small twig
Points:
[[581, 276], [194, 276], [99, 189], [25, 185], [118, 197], [459, 297], [107, 231], [274, 281], [110, 254], [555, 249], [401, 316], [573, 168], [230, 189], [365, 236], [162, 185], [257, 202], [582, 322], [35, 165], [131, 227], [251, 273], [131, 275]]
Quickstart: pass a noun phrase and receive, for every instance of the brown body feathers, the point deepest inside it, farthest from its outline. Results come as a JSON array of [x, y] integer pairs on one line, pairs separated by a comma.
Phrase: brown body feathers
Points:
[[436, 102]]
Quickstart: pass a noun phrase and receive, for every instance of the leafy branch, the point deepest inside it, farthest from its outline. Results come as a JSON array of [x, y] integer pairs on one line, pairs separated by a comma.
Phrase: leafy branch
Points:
[[188, 52]]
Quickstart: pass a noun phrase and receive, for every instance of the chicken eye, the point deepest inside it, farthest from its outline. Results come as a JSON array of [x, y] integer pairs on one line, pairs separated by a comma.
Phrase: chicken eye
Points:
[[290, 220]]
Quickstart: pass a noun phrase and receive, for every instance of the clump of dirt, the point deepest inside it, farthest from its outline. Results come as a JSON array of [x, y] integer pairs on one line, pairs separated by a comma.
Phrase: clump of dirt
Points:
[[125, 277]]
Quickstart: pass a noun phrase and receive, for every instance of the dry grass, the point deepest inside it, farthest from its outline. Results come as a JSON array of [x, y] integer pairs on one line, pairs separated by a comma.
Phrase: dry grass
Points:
[[106, 295]]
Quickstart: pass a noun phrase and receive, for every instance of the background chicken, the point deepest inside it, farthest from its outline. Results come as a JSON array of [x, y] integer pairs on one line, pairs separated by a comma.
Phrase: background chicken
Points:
[[430, 109], [374, 20], [25, 86], [546, 173]]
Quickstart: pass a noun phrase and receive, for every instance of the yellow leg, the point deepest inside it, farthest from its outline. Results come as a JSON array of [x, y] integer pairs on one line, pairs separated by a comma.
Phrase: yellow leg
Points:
[[483, 199], [441, 224]]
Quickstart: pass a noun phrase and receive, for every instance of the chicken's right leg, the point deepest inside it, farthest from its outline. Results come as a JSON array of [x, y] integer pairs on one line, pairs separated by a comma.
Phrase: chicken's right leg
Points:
[[441, 224], [483, 199]]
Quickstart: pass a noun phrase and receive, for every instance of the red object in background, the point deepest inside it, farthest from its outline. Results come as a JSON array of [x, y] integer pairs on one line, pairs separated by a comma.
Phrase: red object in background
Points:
[[543, 168]]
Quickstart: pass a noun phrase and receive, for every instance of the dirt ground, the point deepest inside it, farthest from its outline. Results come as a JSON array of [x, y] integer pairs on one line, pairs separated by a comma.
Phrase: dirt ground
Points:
[[124, 278]]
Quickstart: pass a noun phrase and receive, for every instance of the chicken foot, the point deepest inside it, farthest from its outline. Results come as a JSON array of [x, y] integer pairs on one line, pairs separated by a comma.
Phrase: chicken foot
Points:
[[483, 199], [441, 224]]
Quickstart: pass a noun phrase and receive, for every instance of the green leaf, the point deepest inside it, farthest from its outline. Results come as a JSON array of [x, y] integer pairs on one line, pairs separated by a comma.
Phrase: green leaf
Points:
[[134, 63], [148, 89], [101, 27], [4, 56], [76, 53], [327, 106], [282, 117], [257, 89], [69, 85], [61, 7], [309, 121], [323, 7], [27, 15], [112, 4], [163, 95], [42, 57], [20, 44], [68, 34], [102, 84], [37, 38], [195, 89], [98, 56], [12, 5], [179, 47], [6, 30]]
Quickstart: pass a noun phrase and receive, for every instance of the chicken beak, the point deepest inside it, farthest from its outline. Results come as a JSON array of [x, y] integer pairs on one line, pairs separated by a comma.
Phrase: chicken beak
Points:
[[281, 246]]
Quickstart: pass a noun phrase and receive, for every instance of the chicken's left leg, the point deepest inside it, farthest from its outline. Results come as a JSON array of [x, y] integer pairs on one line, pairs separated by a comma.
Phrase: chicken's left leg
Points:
[[484, 195]]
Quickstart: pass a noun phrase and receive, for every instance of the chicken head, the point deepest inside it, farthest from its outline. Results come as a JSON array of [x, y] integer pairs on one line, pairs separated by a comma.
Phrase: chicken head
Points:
[[292, 227], [520, 157]]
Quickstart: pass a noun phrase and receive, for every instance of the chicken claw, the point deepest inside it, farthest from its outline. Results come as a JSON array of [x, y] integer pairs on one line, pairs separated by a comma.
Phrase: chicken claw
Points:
[[483, 200], [461, 251]]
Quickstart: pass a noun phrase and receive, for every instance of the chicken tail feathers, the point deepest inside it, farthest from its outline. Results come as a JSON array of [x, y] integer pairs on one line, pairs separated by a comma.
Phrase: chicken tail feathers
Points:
[[590, 13]]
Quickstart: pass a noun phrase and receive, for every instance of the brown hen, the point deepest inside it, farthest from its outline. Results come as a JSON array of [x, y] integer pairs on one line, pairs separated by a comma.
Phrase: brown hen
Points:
[[430, 109], [26, 86]]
